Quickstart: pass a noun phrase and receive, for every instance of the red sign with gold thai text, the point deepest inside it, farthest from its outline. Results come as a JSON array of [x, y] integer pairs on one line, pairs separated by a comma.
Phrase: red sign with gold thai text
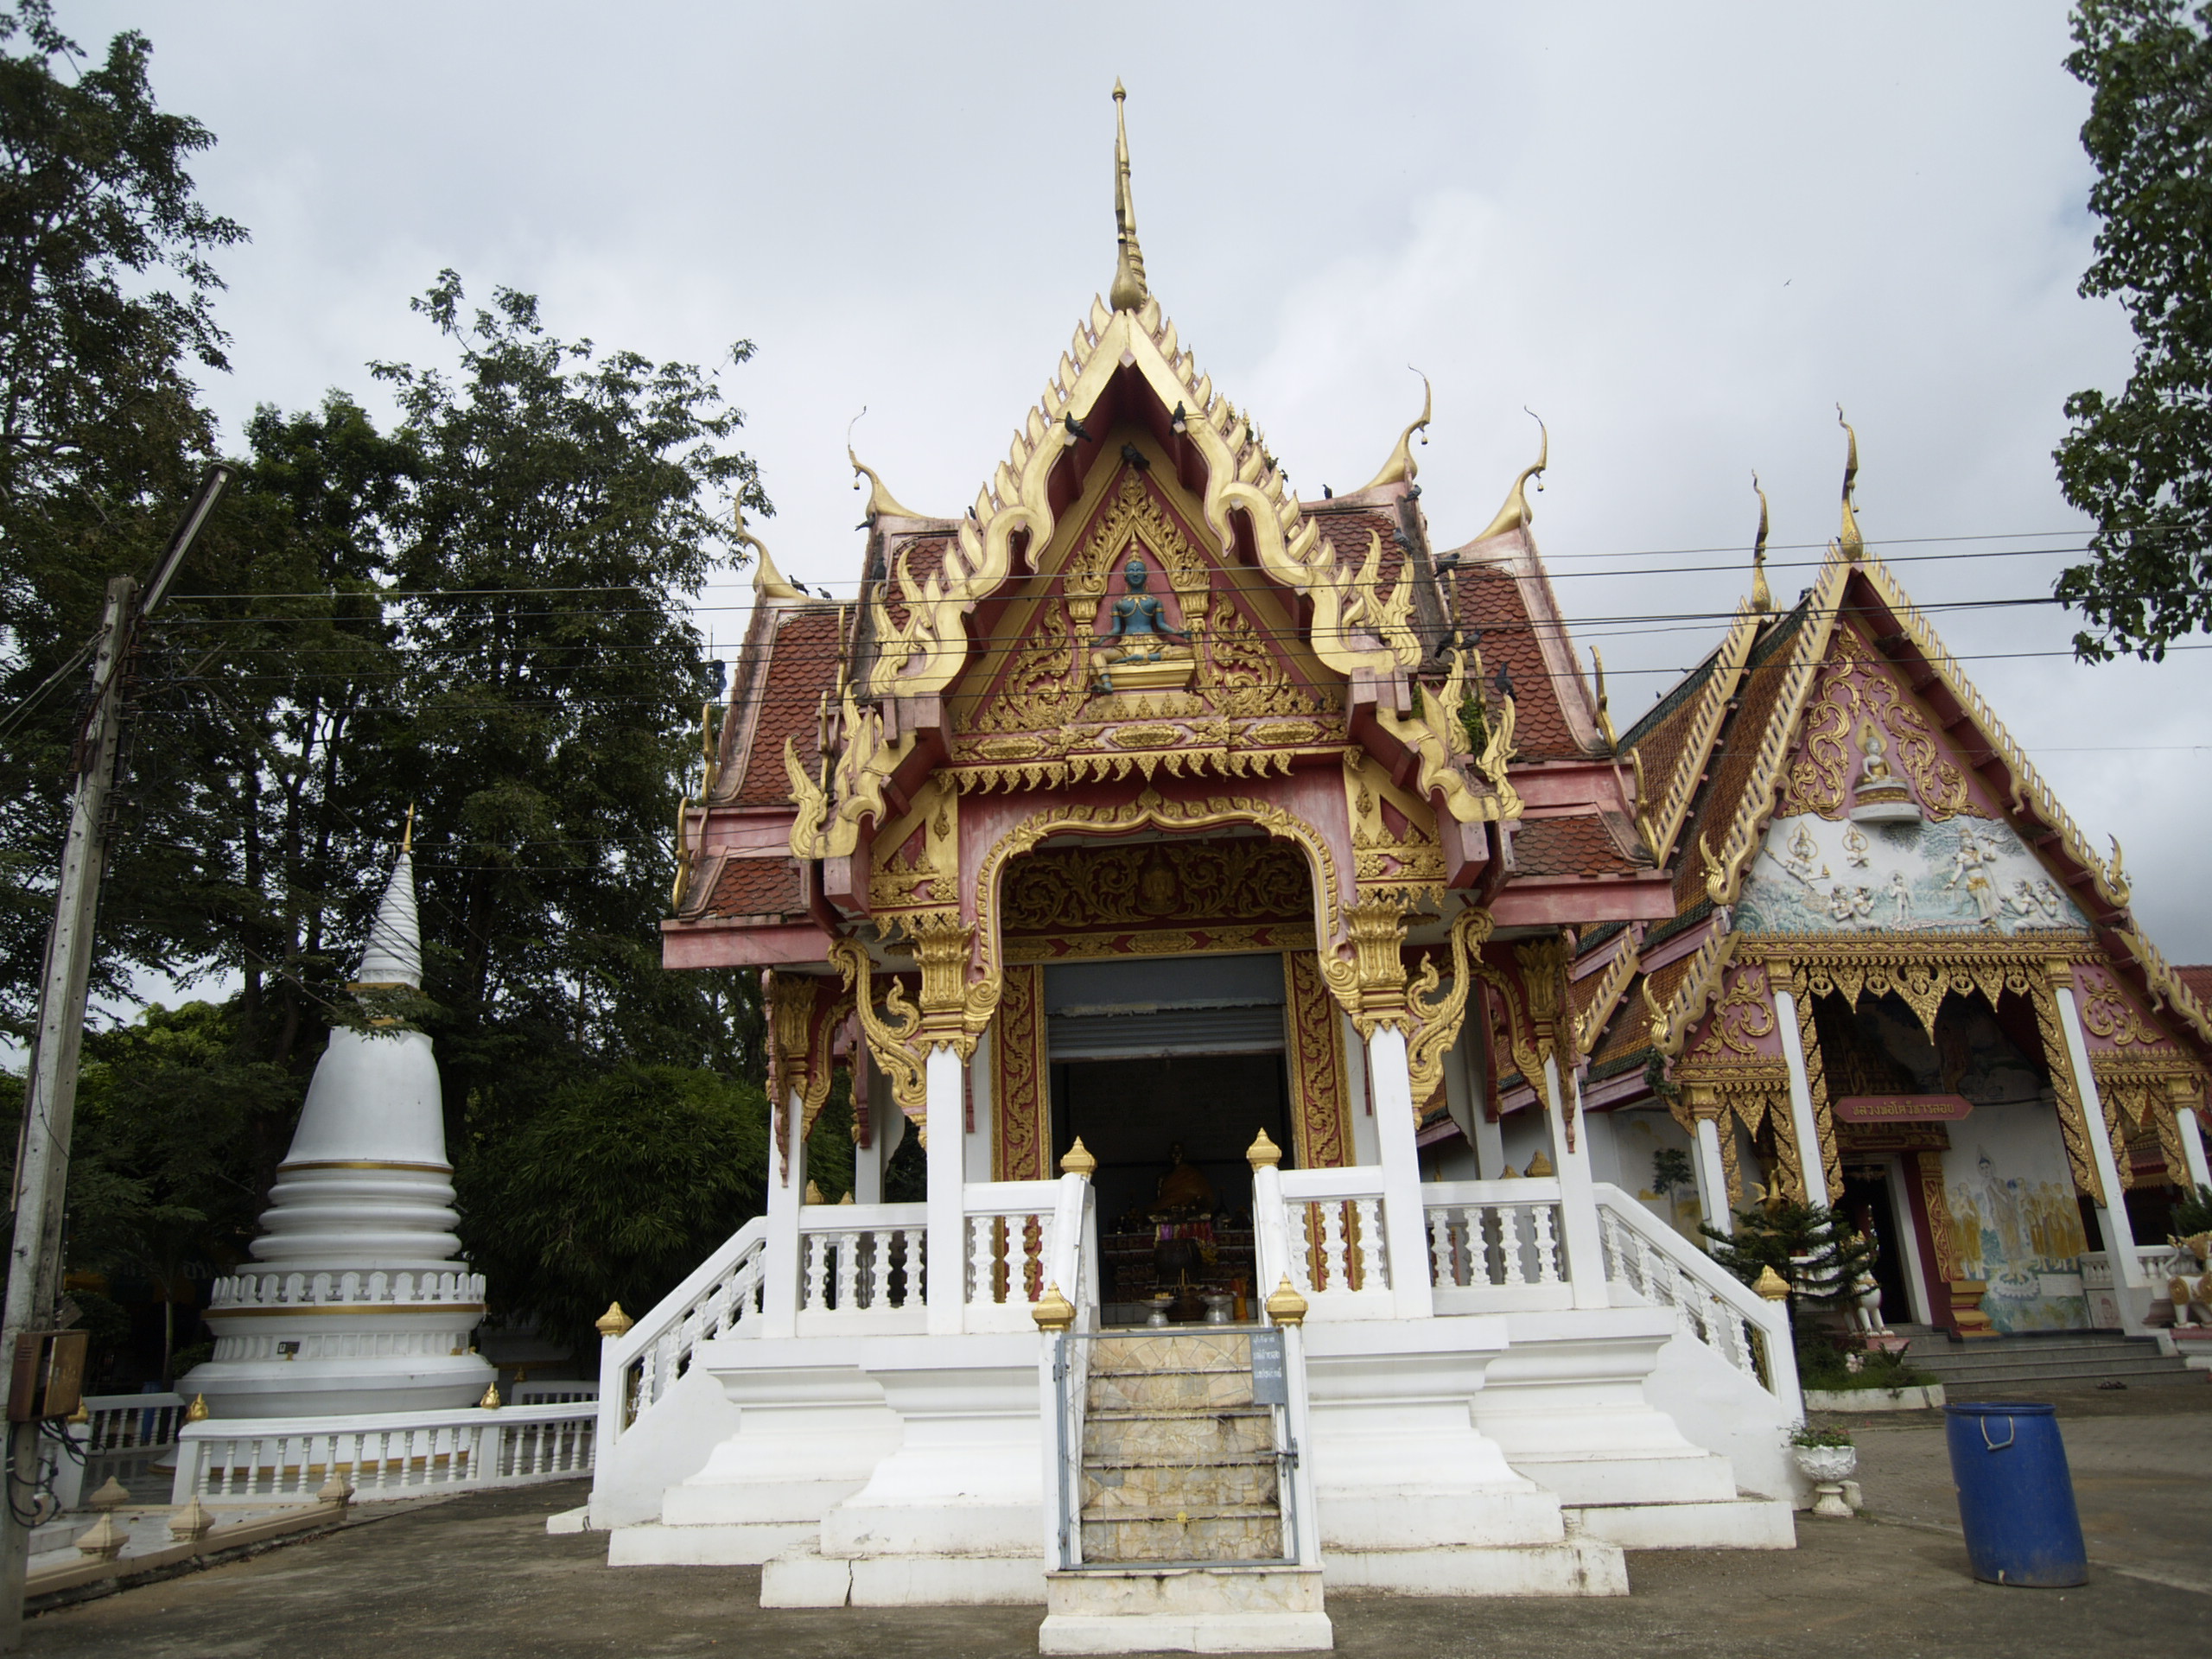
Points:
[[1902, 1108]]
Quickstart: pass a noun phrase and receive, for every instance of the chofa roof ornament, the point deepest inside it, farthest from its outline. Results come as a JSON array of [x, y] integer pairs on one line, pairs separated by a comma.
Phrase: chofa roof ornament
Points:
[[1400, 468], [1516, 514], [1762, 595], [767, 582], [1849, 543]]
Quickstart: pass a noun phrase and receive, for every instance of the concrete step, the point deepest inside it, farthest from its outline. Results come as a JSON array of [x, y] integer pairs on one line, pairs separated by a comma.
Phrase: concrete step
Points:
[[1193, 1609], [1168, 1390], [1179, 1486], [1182, 1351], [1156, 1437], [1223, 1532]]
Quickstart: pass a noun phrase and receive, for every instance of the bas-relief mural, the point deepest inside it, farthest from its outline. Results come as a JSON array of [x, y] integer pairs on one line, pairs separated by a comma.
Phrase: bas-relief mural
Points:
[[1818, 876], [2014, 1218]]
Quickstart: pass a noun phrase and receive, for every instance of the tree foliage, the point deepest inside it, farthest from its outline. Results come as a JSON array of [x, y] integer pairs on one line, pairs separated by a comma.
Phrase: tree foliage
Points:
[[2140, 462]]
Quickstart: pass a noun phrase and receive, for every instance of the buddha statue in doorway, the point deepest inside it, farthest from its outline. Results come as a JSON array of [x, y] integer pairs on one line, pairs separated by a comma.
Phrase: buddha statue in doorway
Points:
[[1184, 1193]]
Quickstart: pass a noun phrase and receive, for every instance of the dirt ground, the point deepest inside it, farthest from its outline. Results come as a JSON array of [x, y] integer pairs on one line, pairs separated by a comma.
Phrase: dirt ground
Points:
[[477, 1576]]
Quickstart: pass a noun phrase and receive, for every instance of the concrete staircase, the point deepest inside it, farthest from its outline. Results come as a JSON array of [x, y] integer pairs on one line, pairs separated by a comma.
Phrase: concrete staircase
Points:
[[2034, 1363], [1184, 1536]]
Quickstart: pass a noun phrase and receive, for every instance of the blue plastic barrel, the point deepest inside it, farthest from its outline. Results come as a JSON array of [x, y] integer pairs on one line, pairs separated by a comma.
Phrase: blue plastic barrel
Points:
[[2015, 1498]]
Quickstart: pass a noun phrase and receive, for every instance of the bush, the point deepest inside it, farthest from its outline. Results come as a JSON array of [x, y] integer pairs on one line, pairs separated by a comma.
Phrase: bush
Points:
[[2193, 1215]]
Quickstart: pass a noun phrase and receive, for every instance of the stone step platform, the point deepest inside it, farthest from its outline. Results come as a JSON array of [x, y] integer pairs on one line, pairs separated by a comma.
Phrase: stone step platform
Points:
[[1186, 1609], [2061, 1360], [1191, 1435]]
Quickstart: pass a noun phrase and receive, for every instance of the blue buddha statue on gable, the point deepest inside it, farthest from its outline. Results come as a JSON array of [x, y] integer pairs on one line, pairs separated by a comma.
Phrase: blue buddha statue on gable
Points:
[[1136, 628]]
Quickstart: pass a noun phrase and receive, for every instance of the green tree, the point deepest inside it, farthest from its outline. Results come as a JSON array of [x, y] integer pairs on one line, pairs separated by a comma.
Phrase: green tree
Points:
[[2140, 463], [106, 288], [622, 1184]]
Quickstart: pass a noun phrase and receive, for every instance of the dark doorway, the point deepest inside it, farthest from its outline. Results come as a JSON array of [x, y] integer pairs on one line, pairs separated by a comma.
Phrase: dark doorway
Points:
[[1866, 1208], [1132, 1115]]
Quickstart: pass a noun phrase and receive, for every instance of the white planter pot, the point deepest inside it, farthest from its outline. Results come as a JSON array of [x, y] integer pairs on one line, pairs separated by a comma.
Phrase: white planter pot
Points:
[[1828, 1467]]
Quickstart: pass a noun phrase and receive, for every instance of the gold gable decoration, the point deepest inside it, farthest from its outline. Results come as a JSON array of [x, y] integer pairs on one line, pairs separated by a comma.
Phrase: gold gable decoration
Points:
[[1320, 1090], [1820, 783], [926, 654], [1020, 1107]]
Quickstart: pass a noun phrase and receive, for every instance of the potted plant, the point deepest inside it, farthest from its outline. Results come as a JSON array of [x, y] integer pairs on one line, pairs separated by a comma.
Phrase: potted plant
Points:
[[1828, 1459]]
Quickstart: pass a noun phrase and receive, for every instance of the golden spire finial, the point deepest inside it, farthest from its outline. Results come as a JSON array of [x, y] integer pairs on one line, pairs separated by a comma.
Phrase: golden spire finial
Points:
[[1129, 291], [1605, 718], [1762, 596], [1400, 468], [1850, 541], [767, 582], [407, 835], [1516, 514]]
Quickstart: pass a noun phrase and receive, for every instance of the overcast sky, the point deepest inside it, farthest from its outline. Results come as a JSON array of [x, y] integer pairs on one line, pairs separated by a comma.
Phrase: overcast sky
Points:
[[1681, 233]]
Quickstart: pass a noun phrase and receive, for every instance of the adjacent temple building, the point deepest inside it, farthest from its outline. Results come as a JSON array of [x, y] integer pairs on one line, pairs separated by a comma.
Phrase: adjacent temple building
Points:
[[1292, 986]]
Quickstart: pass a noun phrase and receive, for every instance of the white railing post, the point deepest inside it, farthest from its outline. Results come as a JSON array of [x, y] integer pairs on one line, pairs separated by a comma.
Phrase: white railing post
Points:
[[1804, 1128], [2111, 1214], [1578, 1199], [1270, 1242], [1305, 1511], [2188, 1122], [943, 1075], [1403, 1225], [1712, 1177], [781, 1263]]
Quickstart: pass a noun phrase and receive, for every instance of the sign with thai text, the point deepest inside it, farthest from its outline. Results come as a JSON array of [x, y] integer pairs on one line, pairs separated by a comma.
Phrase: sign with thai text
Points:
[[1270, 1382], [1902, 1108]]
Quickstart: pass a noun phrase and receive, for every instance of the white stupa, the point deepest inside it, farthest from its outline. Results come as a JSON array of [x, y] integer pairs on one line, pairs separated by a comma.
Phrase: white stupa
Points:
[[358, 1300]]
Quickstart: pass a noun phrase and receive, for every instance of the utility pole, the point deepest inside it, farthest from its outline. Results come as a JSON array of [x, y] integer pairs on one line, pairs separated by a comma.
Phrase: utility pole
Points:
[[50, 1098]]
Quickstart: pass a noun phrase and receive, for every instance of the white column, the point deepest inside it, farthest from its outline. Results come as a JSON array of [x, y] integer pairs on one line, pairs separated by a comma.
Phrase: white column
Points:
[[947, 1263], [2111, 1214], [779, 1268], [981, 1101], [1713, 1176], [1801, 1120], [2187, 1121], [1472, 1054], [1578, 1193], [1405, 1229], [868, 1161]]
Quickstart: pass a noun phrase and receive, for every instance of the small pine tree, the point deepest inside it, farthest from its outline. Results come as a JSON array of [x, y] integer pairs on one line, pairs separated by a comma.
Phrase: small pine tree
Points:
[[1819, 1259]]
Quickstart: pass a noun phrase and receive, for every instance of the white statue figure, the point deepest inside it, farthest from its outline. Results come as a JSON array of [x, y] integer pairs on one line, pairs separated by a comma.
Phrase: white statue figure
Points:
[[1865, 1314], [1900, 898], [1803, 851], [1856, 849], [1973, 864]]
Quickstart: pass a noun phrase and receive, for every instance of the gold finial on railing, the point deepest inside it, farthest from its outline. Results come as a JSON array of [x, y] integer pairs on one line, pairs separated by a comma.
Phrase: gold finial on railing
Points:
[[1771, 1285], [491, 1400], [1539, 1167], [613, 1322], [198, 1414], [1285, 1305], [1078, 1160], [1052, 1311], [1263, 1154], [814, 1193]]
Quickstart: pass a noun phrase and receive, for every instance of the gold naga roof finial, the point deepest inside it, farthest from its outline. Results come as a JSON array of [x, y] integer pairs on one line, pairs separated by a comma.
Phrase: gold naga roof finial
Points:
[[407, 835], [882, 503], [1400, 468], [1604, 716], [1850, 541], [767, 582], [1129, 291], [1515, 513], [1762, 596]]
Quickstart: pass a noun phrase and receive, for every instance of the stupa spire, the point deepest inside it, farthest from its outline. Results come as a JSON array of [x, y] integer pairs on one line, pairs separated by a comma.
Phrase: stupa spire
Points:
[[1129, 291], [394, 954]]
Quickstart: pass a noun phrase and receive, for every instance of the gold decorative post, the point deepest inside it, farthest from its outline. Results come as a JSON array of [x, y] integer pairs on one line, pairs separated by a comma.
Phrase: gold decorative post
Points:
[[1771, 1285], [1263, 1154], [1052, 1311], [1078, 1160], [1285, 1305], [1128, 290], [613, 1322]]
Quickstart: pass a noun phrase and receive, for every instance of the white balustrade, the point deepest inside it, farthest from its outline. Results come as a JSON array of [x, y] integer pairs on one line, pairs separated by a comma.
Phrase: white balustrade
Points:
[[1007, 1243], [721, 1298], [344, 1290], [860, 1266], [1329, 1239], [1495, 1247], [1657, 1265], [2160, 1262], [382, 1455], [131, 1422], [554, 1391]]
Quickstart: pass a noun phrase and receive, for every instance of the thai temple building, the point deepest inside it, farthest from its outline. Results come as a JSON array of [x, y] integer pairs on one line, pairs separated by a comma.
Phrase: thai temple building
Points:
[[1289, 980], [358, 1299]]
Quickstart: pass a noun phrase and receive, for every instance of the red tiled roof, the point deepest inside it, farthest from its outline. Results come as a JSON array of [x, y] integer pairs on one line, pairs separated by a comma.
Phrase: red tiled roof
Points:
[[2198, 978], [1733, 757], [802, 666], [1491, 599], [1585, 844], [757, 887], [923, 556]]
